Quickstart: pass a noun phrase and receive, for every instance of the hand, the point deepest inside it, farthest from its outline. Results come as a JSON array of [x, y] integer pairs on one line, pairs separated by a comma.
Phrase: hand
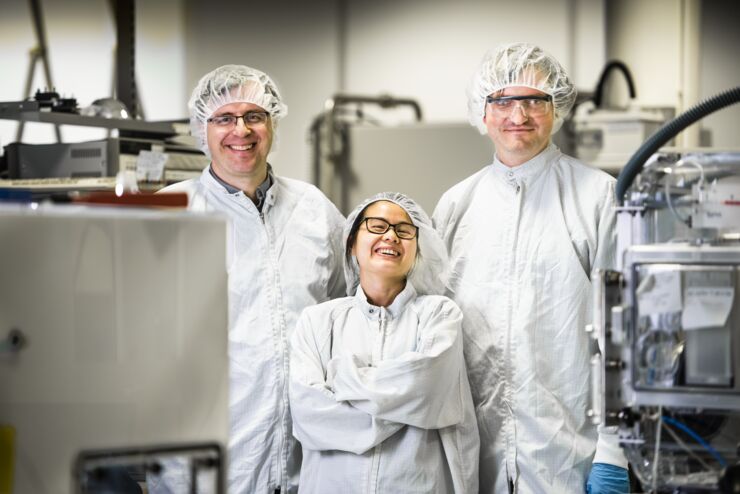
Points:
[[607, 479]]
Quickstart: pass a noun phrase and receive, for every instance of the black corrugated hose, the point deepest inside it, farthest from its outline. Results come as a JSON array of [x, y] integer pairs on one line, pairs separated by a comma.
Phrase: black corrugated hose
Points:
[[614, 64], [667, 132]]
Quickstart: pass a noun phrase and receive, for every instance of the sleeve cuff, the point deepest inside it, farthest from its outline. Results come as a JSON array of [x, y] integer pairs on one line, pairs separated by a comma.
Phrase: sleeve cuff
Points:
[[608, 450]]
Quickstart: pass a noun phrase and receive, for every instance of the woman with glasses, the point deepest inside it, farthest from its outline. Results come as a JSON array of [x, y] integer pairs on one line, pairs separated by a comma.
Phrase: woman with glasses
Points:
[[378, 389]]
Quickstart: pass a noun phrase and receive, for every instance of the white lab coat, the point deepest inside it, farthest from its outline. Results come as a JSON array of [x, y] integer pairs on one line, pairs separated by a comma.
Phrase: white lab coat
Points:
[[380, 397], [523, 242], [280, 261]]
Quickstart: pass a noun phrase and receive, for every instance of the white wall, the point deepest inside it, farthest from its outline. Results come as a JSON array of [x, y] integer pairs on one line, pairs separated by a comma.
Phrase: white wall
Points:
[[589, 43], [161, 59], [422, 49], [719, 68], [428, 50], [646, 36], [650, 36], [294, 42]]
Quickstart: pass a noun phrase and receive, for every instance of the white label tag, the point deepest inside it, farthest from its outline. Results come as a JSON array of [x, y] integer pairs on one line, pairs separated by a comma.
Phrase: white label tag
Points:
[[706, 307], [150, 166], [660, 292]]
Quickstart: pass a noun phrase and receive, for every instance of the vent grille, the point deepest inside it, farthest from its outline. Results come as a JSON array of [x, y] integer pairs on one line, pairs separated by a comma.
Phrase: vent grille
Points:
[[85, 153]]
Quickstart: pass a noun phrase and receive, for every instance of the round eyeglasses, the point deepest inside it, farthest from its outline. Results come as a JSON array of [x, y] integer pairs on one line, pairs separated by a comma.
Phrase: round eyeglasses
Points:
[[534, 105], [379, 226], [249, 118]]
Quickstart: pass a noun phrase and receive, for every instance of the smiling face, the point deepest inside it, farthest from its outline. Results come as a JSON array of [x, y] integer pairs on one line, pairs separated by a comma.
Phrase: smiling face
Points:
[[384, 256], [239, 152], [518, 137]]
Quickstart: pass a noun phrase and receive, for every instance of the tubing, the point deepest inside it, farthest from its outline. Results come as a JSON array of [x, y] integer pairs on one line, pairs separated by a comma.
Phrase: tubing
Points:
[[667, 132], [614, 64], [696, 437]]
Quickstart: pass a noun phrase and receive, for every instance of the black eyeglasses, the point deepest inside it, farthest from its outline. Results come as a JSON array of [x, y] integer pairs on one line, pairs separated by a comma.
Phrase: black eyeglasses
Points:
[[249, 118], [379, 226], [532, 105]]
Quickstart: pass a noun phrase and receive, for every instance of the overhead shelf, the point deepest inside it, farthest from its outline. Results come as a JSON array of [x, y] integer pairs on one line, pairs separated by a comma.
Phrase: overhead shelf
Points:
[[32, 111]]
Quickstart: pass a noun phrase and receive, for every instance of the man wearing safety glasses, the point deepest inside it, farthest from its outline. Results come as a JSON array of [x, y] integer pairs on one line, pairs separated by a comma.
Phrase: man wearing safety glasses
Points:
[[284, 254], [524, 235]]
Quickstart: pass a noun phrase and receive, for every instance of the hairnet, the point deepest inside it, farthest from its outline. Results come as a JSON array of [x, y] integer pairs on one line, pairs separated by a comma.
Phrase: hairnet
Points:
[[430, 267], [232, 84], [520, 64]]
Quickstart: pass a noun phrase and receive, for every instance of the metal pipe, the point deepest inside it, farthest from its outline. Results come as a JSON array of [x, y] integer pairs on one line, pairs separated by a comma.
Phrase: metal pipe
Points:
[[38, 52], [125, 55], [328, 120], [384, 101]]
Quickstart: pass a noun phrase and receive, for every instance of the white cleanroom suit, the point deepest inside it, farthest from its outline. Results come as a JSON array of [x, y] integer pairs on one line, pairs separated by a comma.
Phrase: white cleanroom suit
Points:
[[380, 398], [523, 242]]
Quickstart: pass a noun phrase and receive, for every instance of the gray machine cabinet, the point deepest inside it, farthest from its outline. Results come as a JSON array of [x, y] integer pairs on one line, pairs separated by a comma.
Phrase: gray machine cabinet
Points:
[[420, 160]]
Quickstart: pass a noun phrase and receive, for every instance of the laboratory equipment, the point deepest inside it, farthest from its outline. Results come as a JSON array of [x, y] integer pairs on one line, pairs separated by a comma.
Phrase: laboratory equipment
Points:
[[158, 152], [154, 160], [604, 133], [666, 369]]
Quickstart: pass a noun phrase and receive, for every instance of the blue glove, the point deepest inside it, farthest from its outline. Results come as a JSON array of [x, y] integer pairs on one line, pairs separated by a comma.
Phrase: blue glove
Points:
[[607, 479]]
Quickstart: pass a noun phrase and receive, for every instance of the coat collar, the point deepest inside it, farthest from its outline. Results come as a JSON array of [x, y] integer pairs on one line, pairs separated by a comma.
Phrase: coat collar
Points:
[[216, 186], [393, 311], [529, 171]]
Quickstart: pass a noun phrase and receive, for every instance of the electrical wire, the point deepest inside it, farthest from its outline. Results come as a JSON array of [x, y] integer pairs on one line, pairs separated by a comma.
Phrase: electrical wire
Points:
[[668, 195], [698, 166]]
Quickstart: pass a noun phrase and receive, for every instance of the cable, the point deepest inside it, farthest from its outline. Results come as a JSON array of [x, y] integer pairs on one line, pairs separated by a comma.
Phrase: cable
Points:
[[686, 220], [668, 194], [696, 437], [667, 132], [686, 448], [614, 64]]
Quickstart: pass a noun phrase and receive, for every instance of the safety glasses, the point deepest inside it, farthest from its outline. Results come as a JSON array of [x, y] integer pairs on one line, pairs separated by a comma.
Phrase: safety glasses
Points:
[[535, 105]]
